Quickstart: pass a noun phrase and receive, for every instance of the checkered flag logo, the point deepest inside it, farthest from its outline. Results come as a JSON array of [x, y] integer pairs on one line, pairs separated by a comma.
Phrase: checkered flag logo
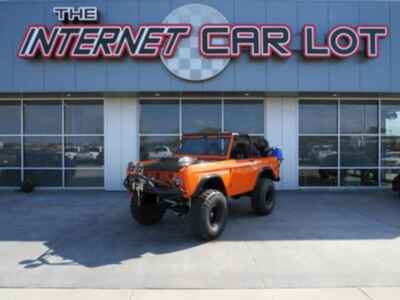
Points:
[[188, 63]]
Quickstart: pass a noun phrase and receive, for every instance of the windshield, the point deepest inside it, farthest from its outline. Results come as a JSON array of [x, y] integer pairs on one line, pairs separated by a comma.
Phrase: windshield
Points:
[[204, 146]]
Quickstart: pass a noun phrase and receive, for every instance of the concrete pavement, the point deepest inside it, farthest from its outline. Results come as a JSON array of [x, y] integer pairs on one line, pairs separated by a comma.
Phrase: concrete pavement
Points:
[[312, 240], [253, 294]]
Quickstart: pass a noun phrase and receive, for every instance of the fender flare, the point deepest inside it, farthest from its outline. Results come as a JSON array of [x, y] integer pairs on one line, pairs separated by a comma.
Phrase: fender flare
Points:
[[266, 172], [205, 180]]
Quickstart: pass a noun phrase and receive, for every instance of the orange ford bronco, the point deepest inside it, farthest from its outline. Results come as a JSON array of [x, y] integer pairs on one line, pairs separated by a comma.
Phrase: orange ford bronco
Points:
[[198, 179]]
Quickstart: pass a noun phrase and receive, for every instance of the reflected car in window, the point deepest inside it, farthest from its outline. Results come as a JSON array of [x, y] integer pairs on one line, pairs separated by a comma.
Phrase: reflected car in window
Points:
[[71, 153], [391, 158], [10, 151], [321, 152], [160, 152], [91, 153]]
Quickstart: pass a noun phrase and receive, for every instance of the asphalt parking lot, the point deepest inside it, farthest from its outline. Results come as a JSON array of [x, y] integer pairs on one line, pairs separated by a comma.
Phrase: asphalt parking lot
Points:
[[86, 239]]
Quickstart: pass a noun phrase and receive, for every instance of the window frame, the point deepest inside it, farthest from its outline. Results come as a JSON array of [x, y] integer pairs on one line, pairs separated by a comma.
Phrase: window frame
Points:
[[4, 100], [77, 100], [182, 99], [172, 101], [354, 102], [21, 100], [380, 135]]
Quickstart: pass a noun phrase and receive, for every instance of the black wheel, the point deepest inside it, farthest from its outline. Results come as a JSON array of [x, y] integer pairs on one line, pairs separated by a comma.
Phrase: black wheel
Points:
[[263, 200], [148, 211], [208, 214]]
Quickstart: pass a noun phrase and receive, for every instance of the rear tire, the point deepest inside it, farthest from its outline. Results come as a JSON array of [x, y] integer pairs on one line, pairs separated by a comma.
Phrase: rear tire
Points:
[[148, 212], [208, 214], [263, 199]]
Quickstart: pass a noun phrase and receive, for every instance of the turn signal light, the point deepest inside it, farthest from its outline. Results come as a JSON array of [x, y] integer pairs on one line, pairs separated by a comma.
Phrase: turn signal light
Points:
[[178, 181]]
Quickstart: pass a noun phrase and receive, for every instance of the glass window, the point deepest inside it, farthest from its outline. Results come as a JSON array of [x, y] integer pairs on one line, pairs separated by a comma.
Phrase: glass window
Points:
[[390, 151], [358, 151], [318, 151], [10, 178], [204, 146], [244, 116], [10, 117], [359, 177], [359, 117], [201, 116], [84, 117], [318, 177], [388, 175], [84, 178], [153, 147], [390, 118], [81, 151], [318, 117], [42, 151], [160, 122], [10, 151], [159, 117], [42, 117], [44, 177]]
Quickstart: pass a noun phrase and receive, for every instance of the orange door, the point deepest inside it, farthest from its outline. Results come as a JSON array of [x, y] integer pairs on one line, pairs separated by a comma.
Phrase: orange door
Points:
[[243, 176], [245, 166]]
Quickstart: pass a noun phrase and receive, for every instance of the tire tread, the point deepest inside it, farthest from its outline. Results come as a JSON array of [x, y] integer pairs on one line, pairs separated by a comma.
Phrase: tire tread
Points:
[[205, 199], [258, 199], [145, 215]]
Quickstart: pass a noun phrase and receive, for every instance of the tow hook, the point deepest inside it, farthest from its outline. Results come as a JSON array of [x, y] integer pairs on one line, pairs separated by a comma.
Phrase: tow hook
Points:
[[137, 187]]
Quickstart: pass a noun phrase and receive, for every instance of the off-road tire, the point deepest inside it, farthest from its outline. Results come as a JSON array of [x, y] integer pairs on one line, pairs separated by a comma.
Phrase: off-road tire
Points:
[[263, 199], [208, 214], [148, 212]]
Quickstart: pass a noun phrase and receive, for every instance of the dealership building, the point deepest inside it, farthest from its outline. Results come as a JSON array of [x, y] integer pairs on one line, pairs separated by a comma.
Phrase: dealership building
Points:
[[87, 86]]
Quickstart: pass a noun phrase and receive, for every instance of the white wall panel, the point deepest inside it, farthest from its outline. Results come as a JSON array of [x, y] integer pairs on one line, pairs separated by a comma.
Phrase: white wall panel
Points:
[[281, 118], [290, 143], [129, 134], [121, 121], [273, 116]]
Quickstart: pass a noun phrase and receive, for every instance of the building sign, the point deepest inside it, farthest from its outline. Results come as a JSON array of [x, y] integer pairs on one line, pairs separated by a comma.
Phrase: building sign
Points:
[[78, 14], [206, 42], [110, 41]]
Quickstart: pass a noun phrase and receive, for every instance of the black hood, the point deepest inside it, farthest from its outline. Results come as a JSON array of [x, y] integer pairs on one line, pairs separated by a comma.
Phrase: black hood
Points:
[[171, 164]]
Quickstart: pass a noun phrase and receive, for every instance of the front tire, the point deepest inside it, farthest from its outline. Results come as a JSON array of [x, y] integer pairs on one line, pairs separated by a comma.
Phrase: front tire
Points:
[[208, 214], [263, 199], [148, 211]]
